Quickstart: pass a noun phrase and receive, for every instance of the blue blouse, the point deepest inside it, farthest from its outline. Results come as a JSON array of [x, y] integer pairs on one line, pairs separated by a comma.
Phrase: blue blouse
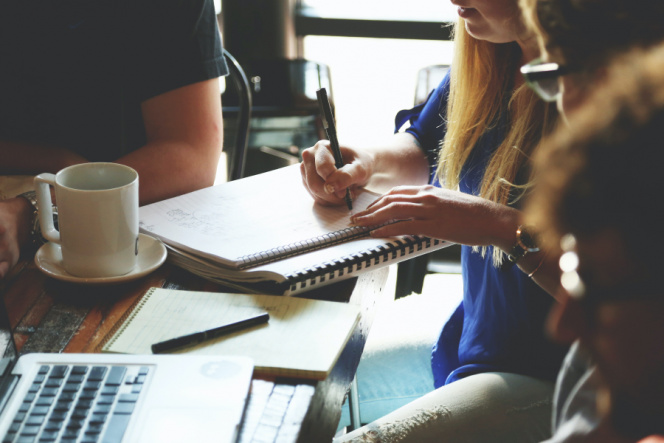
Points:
[[499, 325]]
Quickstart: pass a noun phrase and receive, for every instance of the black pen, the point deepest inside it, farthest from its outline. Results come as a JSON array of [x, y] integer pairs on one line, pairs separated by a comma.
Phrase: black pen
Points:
[[330, 129], [199, 337]]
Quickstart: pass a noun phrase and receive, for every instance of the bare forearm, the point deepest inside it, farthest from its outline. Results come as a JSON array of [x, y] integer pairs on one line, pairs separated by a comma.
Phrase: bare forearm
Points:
[[398, 161], [542, 266], [184, 128], [500, 224], [170, 168], [543, 269]]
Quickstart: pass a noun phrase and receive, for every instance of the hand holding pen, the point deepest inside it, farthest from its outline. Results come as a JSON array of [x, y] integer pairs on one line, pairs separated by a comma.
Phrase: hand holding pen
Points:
[[331, 131]]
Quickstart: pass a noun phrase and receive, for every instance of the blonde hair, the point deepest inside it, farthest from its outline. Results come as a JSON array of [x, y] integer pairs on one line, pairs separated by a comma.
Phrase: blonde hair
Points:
[[481, 92]]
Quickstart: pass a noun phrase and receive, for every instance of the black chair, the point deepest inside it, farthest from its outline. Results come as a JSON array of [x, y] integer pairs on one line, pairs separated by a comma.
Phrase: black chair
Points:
[[236, 153]]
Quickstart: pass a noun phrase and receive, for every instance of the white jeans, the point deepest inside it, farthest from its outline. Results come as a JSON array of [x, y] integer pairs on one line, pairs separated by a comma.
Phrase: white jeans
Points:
[[491, 407]]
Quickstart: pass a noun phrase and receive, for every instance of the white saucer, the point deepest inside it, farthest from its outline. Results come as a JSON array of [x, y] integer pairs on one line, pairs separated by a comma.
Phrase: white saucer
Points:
[[151, 255]]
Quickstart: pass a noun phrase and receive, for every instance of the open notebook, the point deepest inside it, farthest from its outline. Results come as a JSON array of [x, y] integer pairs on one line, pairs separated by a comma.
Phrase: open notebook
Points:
[[303, 337], [265, 234]]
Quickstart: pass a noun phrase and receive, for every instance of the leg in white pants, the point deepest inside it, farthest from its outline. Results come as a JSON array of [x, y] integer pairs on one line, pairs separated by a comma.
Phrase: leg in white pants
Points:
[[490, 407]]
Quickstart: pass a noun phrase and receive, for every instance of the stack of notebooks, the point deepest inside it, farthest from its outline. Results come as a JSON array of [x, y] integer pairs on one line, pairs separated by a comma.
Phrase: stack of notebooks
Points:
[[265, 234]]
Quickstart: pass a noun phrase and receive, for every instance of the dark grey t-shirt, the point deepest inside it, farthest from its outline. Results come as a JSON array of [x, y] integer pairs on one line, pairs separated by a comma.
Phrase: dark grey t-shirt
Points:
[[73, 73]]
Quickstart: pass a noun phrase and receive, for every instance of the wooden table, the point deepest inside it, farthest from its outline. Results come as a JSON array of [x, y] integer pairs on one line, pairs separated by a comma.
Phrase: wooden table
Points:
[[53, 316]]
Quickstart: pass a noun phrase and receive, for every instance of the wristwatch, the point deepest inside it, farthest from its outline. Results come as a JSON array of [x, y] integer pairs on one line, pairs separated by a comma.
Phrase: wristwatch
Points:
[[36, 238], [525, 244]]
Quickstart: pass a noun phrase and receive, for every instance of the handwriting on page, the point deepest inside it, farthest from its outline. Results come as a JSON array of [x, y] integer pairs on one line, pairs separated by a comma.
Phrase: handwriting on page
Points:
[[247, 216]]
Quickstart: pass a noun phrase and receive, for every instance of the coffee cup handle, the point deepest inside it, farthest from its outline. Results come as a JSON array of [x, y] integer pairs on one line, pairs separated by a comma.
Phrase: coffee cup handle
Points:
[[43, 191]]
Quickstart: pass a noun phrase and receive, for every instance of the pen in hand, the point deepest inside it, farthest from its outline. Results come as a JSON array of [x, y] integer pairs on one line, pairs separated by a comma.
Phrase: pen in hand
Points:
[[199, 337], [331, 131]]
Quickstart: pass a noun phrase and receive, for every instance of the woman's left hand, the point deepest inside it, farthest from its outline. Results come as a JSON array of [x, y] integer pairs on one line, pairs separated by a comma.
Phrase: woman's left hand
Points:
[[440, 213]]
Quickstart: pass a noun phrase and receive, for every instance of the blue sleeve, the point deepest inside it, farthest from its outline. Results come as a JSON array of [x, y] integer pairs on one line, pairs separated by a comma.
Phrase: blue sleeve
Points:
[[427, 121]]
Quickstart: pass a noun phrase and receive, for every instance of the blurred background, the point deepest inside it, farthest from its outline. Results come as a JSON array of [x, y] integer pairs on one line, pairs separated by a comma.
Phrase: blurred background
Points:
[[371, 55]]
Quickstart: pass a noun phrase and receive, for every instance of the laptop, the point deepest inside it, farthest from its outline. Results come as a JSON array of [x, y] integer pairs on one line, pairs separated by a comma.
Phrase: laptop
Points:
[[119, 398]]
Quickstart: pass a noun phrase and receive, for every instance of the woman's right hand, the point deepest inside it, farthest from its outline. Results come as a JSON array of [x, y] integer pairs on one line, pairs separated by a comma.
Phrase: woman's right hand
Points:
[[327, 184]]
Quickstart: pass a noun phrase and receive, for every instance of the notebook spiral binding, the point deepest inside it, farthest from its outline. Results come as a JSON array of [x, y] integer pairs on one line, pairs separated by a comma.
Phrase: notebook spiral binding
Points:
[[322, 241], [366, 259], [124, 321]]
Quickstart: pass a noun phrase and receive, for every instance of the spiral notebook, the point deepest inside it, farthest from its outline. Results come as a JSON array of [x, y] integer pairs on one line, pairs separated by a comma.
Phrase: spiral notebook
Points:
[[303, 338], [265, 234]]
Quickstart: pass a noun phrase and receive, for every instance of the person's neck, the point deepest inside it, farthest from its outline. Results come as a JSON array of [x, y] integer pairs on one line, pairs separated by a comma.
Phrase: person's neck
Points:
[[529, 49]]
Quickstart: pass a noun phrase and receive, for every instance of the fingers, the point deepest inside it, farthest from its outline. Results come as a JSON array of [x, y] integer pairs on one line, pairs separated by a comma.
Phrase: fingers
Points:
[[392, 212], [324, 159], [405, 227], [315, 186], [316, 162], [325, 183], [395, 194], [400, 203]]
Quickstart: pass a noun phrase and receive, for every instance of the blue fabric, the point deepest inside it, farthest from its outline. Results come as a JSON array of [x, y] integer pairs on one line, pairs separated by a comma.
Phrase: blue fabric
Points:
[[499, 325]]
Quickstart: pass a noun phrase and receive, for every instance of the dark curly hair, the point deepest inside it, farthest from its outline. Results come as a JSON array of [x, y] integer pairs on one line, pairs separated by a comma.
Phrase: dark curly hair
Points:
[[588, 33], [606, 168]]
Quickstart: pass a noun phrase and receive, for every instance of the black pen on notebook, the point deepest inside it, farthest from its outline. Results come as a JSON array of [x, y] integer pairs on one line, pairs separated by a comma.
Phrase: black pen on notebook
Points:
[[199, 337], [330, 129]]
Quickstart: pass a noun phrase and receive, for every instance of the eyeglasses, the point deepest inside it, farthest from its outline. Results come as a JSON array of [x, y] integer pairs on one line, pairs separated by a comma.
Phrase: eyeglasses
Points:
[[543, 77]]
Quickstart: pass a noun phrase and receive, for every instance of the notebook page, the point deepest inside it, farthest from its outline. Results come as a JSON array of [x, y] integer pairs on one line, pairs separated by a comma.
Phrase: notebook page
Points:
[[303, 337], [236, 219]]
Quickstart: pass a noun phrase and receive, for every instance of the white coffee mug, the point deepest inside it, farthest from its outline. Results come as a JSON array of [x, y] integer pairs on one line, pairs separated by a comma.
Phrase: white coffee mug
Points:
[[97, 217]]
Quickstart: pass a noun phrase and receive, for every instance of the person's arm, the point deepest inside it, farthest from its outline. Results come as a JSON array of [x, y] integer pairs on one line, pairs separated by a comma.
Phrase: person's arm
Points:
[[456, 217], [29, 158], [543, 268], [398, 160], [16, 213], [184, 132], [184, 140]]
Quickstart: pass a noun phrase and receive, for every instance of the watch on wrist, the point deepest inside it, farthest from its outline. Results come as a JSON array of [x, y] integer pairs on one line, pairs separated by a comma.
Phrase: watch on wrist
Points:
[[526, 243], [36, 238]]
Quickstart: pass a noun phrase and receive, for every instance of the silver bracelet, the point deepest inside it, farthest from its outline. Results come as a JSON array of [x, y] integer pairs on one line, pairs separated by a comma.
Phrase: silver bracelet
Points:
[[36, 238]]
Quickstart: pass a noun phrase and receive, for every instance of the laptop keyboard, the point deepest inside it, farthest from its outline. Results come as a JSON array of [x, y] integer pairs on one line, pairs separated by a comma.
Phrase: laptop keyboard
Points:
[[78, 403], [275, 412]]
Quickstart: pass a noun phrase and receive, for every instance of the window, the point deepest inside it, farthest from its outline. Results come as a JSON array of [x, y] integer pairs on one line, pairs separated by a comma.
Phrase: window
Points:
[[372, 79], [416, 19]]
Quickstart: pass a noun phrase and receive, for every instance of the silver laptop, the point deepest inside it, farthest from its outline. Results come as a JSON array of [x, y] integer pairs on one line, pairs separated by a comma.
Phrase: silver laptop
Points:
[[119, 398]]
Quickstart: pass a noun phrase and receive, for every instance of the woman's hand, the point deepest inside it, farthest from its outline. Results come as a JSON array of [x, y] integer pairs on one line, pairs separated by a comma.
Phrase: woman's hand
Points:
[[395, 160], [327, 184], [441, 213]]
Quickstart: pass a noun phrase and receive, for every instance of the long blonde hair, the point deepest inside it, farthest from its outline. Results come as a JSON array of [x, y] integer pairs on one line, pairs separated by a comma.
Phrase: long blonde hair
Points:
[[482, 85]]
